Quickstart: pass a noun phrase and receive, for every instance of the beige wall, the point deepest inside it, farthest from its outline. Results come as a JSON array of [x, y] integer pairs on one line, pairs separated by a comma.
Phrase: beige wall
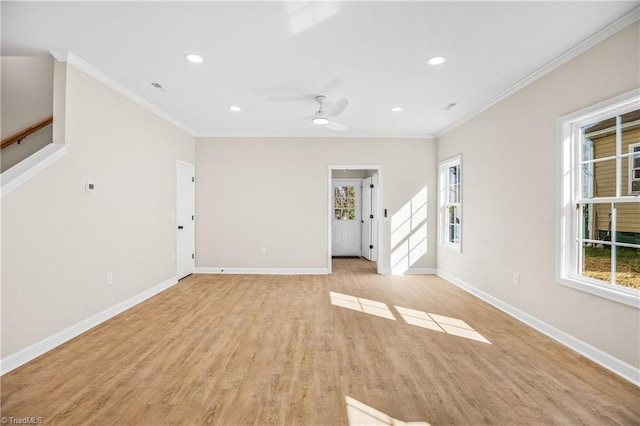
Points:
[[272, 193], [509, 156], [59, 243], [27, 97]]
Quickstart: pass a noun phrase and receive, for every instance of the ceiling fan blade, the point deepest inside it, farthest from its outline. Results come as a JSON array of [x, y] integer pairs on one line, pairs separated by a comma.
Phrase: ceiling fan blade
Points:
[[334, 109], [331, 85], [335, 126], [288, 98]]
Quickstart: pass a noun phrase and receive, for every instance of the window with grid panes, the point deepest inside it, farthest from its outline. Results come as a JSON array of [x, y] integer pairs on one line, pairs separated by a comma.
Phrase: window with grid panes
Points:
[[599, 244], [450, 203]]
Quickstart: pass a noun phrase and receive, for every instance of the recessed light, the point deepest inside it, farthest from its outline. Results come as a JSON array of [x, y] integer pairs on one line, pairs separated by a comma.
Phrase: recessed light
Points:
[[234, 108], [437, 60], [321, 121], [192, 57], [396, 109]]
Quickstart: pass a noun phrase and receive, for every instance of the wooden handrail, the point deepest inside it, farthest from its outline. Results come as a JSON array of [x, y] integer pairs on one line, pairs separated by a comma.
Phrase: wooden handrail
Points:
[[26, 132]]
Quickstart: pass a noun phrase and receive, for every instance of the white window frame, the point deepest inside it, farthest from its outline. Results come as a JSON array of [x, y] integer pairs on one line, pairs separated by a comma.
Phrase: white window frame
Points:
[[443, 203], [631, 168], [569, 197]]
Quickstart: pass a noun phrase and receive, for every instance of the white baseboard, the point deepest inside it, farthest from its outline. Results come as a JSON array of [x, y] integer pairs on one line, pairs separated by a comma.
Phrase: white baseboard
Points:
[[411, 271], [262, 271], [22, 357], [609, 362]]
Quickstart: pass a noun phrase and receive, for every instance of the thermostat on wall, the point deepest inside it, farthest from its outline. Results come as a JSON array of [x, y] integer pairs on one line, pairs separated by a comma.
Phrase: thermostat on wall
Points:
[[88, 186]]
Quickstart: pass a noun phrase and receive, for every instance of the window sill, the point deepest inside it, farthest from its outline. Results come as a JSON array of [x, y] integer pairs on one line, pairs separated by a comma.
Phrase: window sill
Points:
[[451, 247], [622, 295]]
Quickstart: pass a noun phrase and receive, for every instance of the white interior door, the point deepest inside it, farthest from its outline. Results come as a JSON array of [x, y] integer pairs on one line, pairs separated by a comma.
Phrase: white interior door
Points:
[[375, 219], [367, 216], [369, 223], [345, 220], [185, 219]]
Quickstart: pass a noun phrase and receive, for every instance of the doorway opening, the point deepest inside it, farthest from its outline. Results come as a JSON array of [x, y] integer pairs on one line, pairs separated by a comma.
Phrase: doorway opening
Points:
[[355, 223]]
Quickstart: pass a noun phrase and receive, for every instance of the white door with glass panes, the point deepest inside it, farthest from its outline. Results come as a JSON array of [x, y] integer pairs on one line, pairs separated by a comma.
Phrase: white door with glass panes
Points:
[[345, 221]]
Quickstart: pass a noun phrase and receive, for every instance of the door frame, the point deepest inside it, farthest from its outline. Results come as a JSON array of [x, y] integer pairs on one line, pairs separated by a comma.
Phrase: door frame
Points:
[[175, 214], [333, 167]]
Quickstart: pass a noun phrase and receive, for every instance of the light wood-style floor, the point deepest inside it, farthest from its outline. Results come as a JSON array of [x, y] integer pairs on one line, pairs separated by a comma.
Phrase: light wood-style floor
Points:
[[235, 350]]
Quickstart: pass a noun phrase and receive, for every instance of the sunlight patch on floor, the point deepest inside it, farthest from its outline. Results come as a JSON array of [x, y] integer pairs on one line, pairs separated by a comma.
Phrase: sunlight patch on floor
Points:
[[361, 414], [360, 304], [440, 323]]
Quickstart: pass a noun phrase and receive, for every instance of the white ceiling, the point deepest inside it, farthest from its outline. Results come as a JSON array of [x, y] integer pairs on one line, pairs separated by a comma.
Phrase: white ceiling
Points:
[[373, 53]]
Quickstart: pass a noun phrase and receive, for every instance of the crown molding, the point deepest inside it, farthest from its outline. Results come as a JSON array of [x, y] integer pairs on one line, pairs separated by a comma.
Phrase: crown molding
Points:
[[70, 58], [586, 44], [327, 136]]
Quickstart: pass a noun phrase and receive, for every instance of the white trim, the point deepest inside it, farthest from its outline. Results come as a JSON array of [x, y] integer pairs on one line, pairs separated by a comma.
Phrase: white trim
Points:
[[591, 41], [25, 355], [410, 271], [608, 200], [378, 170], [15, 176], [70, 58], [262, 271], [608, 291], [335, 135], [603, 109], [619, 367]]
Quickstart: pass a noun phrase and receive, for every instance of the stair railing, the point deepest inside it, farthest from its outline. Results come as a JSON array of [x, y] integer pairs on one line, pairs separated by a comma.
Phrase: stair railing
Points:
[[19, 136]]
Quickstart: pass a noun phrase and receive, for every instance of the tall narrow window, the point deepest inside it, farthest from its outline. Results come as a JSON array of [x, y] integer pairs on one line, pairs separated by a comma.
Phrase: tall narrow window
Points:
[[600, 224], [450, 204]]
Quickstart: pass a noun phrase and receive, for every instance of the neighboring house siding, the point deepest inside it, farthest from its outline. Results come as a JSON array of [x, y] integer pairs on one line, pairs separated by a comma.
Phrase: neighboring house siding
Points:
[[628, 219]]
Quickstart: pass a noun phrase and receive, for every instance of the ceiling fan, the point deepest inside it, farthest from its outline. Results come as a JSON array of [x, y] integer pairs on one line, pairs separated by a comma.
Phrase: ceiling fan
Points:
[[326, 110]]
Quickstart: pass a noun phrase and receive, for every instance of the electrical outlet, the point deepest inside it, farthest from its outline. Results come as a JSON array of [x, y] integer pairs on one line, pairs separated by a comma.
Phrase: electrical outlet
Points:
[[263, 250], [516, 279], [109, 278]]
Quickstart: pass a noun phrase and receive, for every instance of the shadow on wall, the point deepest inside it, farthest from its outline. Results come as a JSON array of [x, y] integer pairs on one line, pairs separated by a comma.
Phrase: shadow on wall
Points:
[[409, 233]]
